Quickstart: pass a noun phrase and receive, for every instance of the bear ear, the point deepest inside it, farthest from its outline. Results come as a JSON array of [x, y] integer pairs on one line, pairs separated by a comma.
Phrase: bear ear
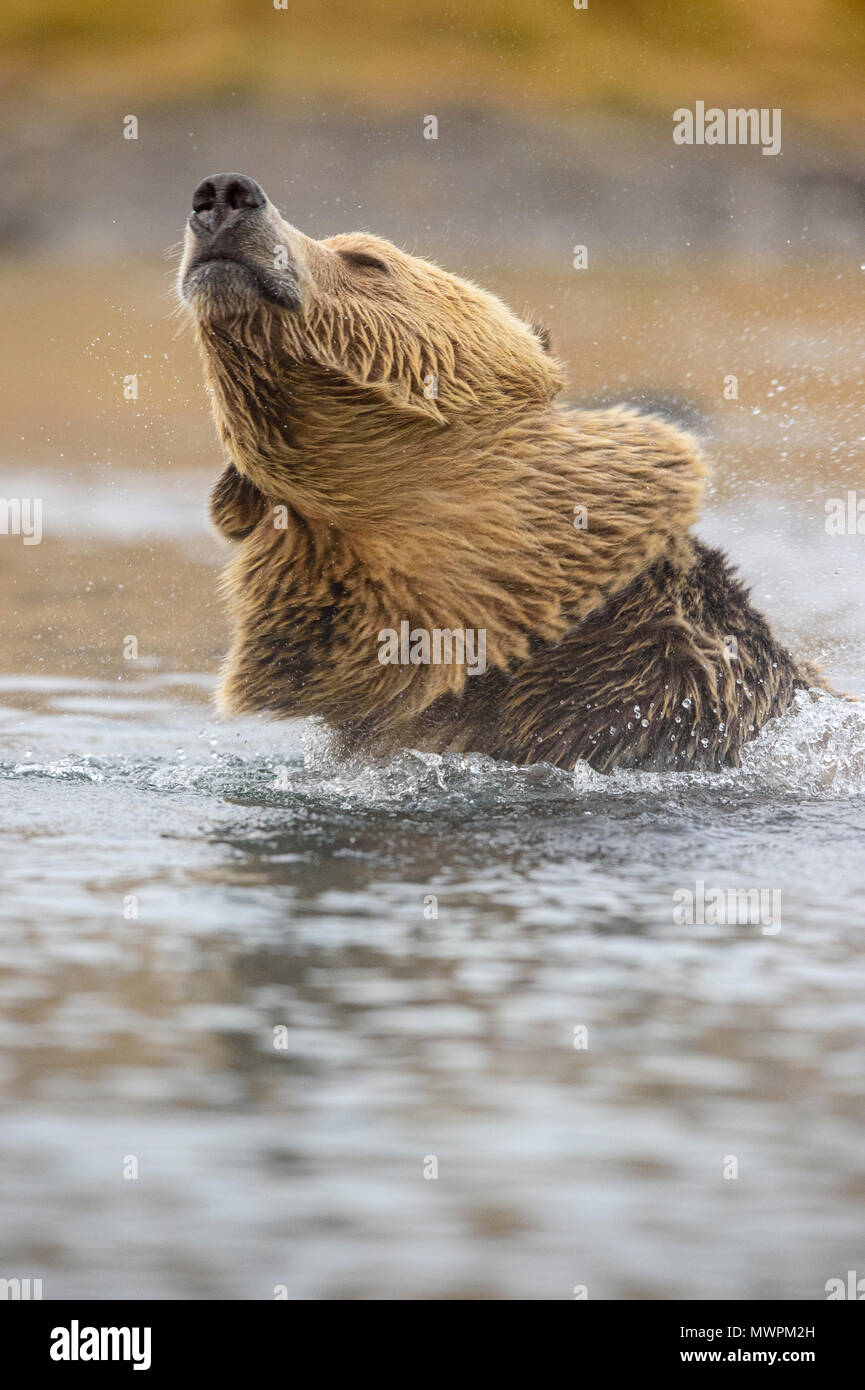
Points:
[[543, 333]]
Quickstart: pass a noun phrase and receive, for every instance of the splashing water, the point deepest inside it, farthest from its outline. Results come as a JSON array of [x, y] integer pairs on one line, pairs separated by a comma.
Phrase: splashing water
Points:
[[815, 750]]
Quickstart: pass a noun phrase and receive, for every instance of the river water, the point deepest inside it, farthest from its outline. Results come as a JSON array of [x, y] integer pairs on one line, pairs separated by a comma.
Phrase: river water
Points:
[[431, 1029]]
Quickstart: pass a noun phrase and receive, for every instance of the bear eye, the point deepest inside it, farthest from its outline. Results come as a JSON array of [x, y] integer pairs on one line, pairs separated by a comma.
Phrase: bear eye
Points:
[[363, 258]]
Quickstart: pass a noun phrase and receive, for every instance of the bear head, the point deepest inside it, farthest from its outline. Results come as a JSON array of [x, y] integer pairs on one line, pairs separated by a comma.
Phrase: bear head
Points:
[[335, 365]]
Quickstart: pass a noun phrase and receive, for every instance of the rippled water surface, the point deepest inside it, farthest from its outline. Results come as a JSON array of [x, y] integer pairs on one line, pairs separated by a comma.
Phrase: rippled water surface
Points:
[[218, 958]]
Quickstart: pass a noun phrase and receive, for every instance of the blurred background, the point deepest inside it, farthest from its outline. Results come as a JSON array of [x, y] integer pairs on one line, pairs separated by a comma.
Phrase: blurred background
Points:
[[174, 889]]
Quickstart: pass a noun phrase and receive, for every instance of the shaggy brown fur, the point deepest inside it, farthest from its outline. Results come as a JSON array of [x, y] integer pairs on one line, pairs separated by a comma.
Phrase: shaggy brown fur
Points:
[[396, 452]]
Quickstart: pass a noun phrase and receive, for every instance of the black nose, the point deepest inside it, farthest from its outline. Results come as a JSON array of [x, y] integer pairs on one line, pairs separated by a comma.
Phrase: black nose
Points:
[[217, 197]]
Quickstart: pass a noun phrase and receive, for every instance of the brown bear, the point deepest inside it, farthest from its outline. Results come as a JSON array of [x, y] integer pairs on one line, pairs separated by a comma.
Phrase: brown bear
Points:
[[407, 491]]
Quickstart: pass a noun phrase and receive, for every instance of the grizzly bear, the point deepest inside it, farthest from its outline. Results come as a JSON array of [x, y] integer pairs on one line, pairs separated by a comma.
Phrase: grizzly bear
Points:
[[404, 486]]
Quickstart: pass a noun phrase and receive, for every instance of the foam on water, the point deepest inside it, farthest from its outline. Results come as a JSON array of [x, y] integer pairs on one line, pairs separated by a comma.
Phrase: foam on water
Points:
[[815, 751]]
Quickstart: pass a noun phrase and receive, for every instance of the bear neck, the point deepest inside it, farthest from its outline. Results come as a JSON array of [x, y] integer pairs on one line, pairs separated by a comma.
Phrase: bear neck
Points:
[[481, 517], [343, 453]]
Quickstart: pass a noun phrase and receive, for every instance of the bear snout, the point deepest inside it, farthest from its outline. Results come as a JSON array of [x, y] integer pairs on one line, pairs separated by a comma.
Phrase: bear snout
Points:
[[220, 198], [227, 221], [235, 254]]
